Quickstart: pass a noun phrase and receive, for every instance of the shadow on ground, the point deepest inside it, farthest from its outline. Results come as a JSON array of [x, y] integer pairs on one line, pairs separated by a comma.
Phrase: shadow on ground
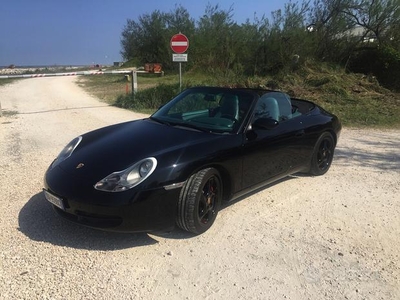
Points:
[[38, 221], [60, 109], [383, 154]]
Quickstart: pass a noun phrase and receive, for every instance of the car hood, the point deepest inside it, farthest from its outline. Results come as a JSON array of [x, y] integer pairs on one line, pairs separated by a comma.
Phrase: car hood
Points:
[[116, 147]]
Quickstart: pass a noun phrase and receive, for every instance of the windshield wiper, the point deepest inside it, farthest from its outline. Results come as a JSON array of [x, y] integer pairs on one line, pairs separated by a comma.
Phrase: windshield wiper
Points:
[[189, 125], [182, 124], [161, 121]]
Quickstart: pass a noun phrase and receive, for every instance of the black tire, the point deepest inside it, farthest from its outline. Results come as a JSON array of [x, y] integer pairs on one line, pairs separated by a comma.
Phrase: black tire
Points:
[[199, 201], [323, 154]]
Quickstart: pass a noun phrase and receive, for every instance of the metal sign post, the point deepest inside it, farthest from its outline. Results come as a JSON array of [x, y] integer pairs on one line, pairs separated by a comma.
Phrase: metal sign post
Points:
[[134, 82], [180, 77], [179, 44], [180, 58]]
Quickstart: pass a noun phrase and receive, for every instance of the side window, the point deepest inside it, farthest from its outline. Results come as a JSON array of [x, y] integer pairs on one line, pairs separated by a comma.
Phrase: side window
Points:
[[301, 107]]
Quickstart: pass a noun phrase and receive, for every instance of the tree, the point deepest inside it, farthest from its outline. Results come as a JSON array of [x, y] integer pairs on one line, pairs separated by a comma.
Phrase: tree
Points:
[[328, 26], [379, 22], [325, 30], [285, 39], [179, 20], [214, 39], [295, 37], [145, 40], [375, 16]]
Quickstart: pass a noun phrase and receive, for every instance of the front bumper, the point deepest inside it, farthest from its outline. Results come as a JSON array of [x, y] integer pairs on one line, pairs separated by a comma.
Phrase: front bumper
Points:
[[130, 211]]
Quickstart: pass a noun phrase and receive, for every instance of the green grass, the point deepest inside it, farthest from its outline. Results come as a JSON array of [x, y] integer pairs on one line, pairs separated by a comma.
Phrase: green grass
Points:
[[110, 87], [8, 81], [359, 101], [8, 113]]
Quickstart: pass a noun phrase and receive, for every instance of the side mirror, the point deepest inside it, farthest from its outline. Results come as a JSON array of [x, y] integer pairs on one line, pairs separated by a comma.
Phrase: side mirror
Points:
[[265, 123]]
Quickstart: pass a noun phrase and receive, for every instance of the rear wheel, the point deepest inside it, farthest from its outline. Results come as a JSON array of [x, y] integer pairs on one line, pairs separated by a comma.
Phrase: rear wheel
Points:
[[323, 154], [199, 201]]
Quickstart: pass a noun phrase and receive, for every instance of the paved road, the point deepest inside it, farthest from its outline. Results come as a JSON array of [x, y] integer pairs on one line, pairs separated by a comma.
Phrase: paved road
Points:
[[330, 237]]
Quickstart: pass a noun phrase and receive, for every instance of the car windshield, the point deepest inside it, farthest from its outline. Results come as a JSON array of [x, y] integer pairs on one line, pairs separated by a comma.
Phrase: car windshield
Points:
[[207, 109]]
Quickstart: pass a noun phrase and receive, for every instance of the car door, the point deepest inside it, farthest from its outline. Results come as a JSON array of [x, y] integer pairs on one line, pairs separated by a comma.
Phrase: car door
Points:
[[274, 152], [269, 153]]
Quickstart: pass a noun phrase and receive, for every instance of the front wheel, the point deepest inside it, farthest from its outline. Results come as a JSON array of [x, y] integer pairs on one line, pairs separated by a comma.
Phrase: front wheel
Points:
[[199, 201], [322, 155]]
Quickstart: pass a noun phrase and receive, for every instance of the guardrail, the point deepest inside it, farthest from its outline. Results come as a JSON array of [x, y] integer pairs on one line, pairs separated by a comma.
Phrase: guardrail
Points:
[[132, 73]]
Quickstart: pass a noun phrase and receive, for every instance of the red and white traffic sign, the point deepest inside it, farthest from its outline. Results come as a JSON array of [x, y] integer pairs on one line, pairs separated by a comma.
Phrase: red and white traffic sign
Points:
[[179, 43]]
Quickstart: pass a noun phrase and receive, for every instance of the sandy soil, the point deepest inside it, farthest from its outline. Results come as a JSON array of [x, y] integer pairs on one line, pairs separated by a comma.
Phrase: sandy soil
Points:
[[329, 237]]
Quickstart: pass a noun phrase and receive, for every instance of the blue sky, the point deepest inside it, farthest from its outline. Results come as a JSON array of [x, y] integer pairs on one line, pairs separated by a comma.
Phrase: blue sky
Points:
[[83, 32]]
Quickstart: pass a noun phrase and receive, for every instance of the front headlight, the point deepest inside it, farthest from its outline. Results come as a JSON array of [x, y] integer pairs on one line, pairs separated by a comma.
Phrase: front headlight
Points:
[[124, 180], [67, 151]]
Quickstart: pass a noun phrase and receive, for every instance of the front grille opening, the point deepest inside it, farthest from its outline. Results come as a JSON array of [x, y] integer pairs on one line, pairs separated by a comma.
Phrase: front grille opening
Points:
[[92, 220]]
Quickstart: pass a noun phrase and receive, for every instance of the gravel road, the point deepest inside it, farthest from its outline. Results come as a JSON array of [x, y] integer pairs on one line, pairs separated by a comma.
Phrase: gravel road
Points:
[[329, 237]]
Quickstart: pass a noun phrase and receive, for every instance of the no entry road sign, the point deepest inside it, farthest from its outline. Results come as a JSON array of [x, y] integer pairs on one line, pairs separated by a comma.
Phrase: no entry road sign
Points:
[[179, 43]]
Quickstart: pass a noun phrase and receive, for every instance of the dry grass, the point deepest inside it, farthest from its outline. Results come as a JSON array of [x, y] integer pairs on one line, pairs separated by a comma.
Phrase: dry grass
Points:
[[109, 87], [105, 87]]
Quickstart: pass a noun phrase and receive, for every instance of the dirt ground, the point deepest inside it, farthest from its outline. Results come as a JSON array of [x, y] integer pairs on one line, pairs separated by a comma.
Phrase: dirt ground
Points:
[[329, 237]]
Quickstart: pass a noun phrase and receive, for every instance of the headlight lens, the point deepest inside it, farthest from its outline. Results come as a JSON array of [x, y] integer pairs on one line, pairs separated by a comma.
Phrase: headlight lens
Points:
[[124, 180], [67, 151]]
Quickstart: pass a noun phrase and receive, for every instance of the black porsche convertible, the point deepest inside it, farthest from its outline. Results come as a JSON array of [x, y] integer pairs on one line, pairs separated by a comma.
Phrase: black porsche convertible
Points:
[[205, 146]]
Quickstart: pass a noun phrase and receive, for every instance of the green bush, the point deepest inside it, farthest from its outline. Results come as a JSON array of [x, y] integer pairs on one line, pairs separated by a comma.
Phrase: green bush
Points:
[[383, 62], [149, 99], [389, 73], [131, 63]]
